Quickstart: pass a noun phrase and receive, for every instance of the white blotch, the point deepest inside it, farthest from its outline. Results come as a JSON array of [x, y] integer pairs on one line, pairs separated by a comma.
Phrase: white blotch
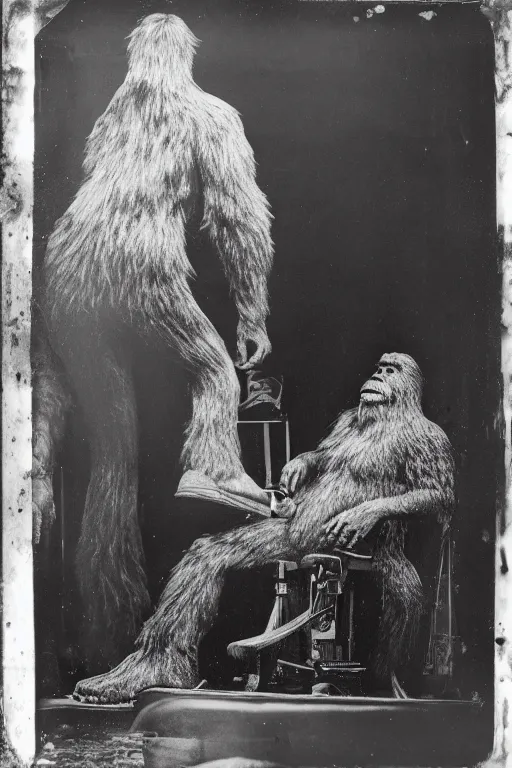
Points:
[[356, 18], [427, 15], [379, 9], [369, 13]]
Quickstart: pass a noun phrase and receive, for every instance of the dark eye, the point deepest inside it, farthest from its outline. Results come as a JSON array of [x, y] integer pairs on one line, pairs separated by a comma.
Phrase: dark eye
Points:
[[390, 370]]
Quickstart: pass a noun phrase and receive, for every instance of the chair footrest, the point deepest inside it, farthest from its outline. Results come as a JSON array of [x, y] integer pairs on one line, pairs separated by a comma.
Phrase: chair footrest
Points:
[[241, 648]]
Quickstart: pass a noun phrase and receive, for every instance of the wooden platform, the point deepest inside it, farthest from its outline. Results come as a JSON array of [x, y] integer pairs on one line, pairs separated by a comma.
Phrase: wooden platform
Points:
[[191, 727]]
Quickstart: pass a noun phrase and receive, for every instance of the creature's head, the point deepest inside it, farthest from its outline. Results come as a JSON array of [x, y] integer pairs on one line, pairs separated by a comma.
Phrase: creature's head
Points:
[[162, 47], [396, 384]]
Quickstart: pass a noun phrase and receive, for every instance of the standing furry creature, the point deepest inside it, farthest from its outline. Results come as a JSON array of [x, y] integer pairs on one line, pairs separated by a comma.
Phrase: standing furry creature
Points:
[[382, 463], [163, 150]]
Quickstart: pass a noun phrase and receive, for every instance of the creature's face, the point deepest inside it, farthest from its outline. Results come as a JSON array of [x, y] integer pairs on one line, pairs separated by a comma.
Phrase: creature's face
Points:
[[397, 378]]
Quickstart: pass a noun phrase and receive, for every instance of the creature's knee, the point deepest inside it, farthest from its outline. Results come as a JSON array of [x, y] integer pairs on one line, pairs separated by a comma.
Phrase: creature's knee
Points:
[[303, 537], [227, 379], [226, 369], [233, 381], [202, 548], [215, 356]]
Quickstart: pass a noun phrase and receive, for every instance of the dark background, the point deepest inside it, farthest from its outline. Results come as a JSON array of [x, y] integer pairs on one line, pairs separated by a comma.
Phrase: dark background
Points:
[[375, 145]]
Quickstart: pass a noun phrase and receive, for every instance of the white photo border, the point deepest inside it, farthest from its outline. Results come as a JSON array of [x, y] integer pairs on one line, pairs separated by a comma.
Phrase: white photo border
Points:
[[22, 20]]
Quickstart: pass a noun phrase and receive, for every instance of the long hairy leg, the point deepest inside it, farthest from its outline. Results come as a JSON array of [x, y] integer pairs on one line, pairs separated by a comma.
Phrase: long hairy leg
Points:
[[109, 558], [168, 644], [403, 604], [211, 441]]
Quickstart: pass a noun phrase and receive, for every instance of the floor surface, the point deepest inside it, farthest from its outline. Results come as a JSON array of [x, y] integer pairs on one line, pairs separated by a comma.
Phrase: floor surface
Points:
[[91, 747]]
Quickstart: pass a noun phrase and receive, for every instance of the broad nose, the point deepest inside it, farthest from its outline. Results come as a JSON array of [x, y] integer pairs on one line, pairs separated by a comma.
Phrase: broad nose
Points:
[[375, 377]]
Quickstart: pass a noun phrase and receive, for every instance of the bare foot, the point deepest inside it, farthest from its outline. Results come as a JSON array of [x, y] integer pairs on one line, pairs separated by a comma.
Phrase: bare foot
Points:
[[240, 491], [243, 485], [171, 669]]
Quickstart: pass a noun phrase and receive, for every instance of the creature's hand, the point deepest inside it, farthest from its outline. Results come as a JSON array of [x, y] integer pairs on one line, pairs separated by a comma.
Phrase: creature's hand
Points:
[[255, 335], [348, 527], [294, 473]]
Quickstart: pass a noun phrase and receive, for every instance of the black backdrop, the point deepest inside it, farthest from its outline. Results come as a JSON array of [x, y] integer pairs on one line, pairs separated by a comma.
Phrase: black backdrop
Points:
[[375, 145]]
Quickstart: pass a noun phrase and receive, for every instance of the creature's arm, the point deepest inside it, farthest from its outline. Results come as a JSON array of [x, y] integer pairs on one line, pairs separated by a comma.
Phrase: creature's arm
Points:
[[237, 216], [429, 475], [298, 470], [303, 467], [420, 502]]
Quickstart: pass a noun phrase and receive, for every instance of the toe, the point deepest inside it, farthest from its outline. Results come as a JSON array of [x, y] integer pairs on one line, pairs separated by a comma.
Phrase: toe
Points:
[[79, 694]]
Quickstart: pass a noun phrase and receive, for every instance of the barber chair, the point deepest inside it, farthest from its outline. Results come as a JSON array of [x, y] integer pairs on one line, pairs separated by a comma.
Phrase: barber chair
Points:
[[260, 414], [324, 632], [326, 628]]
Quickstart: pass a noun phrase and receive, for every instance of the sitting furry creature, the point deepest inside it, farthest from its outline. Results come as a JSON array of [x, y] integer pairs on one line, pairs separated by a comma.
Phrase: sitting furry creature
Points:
[[383, 463]]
